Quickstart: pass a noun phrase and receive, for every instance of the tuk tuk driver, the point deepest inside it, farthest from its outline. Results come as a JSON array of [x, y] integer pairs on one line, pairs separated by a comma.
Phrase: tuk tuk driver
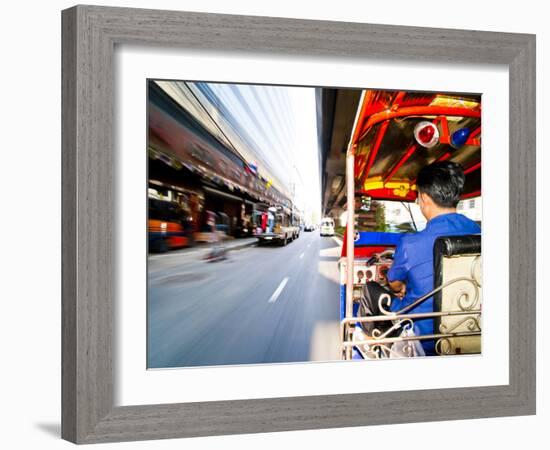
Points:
[[411, 275]]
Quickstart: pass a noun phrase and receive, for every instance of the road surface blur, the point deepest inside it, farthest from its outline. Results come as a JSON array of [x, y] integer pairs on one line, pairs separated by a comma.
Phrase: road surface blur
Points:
[[266, 304]]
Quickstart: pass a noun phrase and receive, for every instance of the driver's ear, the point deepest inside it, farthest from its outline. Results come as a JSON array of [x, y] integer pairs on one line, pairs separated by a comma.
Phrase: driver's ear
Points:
[[421, 198], [425, 198]]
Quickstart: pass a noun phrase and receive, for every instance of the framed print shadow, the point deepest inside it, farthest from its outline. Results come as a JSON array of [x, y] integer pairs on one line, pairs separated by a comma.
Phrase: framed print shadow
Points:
[[291, 223]]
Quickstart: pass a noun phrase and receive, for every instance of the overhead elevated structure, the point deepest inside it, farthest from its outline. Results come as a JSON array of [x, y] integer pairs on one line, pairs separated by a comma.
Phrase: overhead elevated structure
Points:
[[336, 109]]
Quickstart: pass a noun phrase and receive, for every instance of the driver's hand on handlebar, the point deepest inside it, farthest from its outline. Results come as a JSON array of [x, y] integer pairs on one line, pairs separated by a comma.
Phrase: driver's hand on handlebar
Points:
[[373, 259], [398, 288]]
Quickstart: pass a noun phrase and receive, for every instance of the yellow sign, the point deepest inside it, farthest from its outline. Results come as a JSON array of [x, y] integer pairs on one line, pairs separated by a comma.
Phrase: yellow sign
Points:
[[400, 188]]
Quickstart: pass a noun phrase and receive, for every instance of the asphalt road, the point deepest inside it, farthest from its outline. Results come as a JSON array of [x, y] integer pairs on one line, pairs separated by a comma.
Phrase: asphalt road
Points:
[[261, 305]]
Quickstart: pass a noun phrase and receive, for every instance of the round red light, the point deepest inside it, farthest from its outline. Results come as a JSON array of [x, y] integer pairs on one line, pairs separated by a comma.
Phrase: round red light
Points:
[[426, 134]]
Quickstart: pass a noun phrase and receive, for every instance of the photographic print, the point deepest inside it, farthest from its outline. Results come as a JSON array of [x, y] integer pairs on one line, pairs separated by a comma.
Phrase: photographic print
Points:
[[252, 192]]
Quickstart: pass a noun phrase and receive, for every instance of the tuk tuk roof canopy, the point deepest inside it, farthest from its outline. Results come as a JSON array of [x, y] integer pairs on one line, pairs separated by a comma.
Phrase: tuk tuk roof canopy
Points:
[[387, 155]]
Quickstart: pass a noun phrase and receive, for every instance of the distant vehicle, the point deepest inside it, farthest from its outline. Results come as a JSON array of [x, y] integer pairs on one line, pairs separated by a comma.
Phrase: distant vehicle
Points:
[[168, 226], [295, 225], [283, 231], [309, 227], [327, 227]]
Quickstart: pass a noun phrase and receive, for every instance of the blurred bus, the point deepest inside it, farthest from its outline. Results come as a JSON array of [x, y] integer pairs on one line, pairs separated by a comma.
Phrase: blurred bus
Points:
[[168, 226]]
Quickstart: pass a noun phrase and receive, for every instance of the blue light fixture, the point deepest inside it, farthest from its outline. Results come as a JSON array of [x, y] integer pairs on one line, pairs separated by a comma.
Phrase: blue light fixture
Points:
[[459, 137]]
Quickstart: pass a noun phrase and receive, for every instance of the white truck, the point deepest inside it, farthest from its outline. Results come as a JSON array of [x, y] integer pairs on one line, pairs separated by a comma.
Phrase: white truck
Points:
[[327, 226]]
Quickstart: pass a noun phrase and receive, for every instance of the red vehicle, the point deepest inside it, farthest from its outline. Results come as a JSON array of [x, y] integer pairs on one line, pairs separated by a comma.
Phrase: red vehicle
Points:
[[167, 226]]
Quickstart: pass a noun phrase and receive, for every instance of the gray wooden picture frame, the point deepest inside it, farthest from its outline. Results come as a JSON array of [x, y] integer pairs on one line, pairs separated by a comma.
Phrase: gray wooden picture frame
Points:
[[90, 34]]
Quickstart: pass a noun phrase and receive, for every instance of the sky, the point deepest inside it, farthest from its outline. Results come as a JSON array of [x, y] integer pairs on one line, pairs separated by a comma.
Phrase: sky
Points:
[[274, 127], [306, 152]]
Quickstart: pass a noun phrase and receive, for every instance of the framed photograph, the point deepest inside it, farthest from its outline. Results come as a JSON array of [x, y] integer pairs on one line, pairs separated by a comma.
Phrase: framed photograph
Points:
[[277, 224]]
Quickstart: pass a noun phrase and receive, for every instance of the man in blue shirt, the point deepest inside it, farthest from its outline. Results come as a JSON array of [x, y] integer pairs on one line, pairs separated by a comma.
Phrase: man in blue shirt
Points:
[[411, 275]]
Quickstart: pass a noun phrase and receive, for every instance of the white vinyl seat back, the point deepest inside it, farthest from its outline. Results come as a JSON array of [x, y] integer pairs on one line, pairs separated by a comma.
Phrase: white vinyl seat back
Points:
[[459, 272]]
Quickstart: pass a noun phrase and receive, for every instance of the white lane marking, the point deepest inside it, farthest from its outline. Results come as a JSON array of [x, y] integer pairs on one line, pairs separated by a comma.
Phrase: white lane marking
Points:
[[278, 291], [301, 256], [338, 241]]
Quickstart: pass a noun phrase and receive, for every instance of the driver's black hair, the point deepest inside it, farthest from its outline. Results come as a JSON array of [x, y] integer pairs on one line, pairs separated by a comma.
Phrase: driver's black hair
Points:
[[443, 182]]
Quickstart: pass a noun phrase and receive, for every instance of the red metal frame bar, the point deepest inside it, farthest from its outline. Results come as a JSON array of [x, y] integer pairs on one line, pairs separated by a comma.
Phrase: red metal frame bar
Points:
[[365, 123], [398, 99], [374, 151], [402, 161], [472, 168], [472, 194], [358, 163], [473, 139], [444, 138], [359, 126], [417, 111], [444, 157]]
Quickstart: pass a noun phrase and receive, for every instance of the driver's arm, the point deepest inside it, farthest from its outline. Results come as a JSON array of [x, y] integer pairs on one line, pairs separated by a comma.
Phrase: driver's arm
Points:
[[398, 272]]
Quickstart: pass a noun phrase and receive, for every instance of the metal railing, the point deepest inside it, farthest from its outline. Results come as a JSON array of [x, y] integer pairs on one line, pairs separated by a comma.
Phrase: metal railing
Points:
[[378, 344]]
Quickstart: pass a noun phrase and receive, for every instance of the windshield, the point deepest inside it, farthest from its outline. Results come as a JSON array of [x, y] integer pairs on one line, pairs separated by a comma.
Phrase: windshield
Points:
[[281, 219], [401, 217], [404, 217], [387, 216]]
